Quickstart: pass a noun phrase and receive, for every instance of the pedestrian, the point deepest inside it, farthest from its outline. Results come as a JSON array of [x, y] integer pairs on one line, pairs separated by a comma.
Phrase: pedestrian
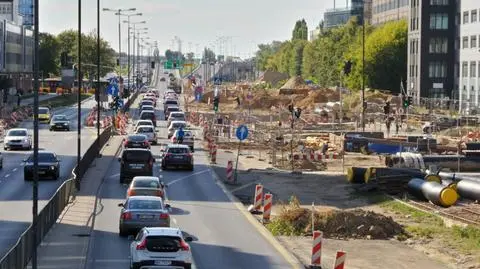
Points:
[[19, 96], [388, 123], [397, 125]]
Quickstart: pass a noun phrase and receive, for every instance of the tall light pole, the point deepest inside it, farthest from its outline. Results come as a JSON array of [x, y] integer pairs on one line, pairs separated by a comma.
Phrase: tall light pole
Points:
[[129, 28], [97, 91], [36, 88], [135, 45], [119, 13], [79, 91]]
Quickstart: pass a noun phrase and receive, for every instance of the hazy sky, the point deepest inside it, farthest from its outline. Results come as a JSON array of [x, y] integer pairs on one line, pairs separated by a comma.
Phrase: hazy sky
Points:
[[247, 22]]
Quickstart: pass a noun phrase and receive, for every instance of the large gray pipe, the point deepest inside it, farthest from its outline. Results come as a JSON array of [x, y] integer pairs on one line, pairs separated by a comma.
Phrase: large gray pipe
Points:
[[433, 191], [469, 189]]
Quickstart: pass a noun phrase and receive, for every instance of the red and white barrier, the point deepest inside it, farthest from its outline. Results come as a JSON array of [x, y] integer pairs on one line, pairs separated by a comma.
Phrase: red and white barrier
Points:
[[258, 198], [340, 260], [316, 156], [317, 248], [214, 154], [267, 207], [230, 171]]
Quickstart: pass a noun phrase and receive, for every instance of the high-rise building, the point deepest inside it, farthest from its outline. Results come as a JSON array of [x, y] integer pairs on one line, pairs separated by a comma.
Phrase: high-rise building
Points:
[[25, 9], [431, 49], [339, 16], [389, 10], [469, 55]]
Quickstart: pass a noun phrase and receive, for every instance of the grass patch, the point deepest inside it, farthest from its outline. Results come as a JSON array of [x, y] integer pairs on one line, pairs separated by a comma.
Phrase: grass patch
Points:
[[63, 100]]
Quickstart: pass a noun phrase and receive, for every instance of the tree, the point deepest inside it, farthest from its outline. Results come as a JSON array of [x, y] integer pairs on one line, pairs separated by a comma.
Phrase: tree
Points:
[[300, 31], [49, 54], [208, 55], [266, 51], [190, 56]]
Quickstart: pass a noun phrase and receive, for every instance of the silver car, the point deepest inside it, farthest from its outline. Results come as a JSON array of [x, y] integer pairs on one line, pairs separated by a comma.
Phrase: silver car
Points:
[[188, 139], [142, 211], [148, 131], [176, 116], [17, 138]]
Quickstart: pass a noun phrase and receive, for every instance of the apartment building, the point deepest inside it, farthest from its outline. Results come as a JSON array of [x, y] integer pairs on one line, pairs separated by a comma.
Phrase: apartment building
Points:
[[469, 55], [431, 49], [339, 16], [388, 10]]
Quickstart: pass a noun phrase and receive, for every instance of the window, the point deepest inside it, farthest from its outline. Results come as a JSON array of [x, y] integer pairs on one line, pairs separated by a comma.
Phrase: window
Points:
[[473, 69], [473, 41], [438, 2], [465, 17], [464, 69], [438, 45], [465, 42], [439, 21], [437, 69], [473, 16]]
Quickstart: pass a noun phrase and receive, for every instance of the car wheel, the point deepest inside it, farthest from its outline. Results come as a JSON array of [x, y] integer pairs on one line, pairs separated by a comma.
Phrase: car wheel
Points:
[[190, 168], [154, 142], [187, 266], [50, 129], [5, 148], [25, 178], [164, 167], [68, 129], [1, 165], [122, 232], [122, 180]]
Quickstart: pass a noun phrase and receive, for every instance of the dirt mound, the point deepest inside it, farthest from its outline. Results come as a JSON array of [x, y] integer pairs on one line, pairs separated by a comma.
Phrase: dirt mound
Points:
[[273, 77], [319, 96], [294, 83]]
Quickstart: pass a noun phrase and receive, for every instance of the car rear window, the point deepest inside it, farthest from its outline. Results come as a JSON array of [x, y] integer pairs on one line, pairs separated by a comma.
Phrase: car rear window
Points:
[[143, 183], [178, 150], [178, 125], [145, 122], [145, 129], [177, 114], [173, 108], [147, 115], [136, 138], [145, 204], [163, 243], [172, 102], [146, 103], [137, 155]]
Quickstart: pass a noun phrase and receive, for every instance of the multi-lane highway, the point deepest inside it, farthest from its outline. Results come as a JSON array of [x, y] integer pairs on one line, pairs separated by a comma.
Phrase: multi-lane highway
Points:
[[224, 237], [16, 194]]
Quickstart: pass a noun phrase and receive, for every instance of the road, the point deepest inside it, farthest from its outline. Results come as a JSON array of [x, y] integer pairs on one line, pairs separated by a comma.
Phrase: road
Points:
[[16, 195], [224, 238]]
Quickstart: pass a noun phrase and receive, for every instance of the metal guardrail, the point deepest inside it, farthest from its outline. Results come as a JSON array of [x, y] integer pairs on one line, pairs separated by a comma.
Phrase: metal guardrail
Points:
[[20, 254]]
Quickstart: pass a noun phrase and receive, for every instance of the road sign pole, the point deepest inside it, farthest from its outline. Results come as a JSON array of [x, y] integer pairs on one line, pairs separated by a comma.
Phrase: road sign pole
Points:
[[236, 163]]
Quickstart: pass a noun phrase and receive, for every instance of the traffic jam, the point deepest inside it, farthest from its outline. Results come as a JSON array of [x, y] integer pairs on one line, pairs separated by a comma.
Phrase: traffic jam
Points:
[[144, 215]]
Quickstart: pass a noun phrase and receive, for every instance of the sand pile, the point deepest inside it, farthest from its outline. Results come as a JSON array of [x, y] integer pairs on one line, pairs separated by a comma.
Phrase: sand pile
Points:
[[319, 96]]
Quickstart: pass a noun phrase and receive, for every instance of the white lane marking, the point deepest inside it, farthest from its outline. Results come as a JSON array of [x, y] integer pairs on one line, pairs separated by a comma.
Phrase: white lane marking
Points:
[[174, 220], [185, 177], [7, 175], [15, 169]]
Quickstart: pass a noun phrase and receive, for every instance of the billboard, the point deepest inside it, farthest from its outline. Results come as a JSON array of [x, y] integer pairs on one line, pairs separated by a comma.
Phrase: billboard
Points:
[[25, 8]]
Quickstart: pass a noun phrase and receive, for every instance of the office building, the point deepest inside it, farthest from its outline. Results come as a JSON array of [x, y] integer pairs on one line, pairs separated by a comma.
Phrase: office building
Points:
[[431, 49], [469, 55], [339, 16], [388, 10]]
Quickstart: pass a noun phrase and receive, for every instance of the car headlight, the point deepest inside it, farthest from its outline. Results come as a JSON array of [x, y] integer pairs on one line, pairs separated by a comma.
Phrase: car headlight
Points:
[[66, 123], [25, 140], [52, 167]]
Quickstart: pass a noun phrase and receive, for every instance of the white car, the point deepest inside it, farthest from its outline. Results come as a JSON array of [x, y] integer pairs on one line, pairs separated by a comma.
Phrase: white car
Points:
[[174, 125], [148, 131], [188, 139], [156, 247], [144, 122], [17, 138], [176, 116]]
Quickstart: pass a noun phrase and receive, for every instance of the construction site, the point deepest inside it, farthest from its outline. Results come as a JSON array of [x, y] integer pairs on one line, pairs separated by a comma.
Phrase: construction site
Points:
[[414, 182]]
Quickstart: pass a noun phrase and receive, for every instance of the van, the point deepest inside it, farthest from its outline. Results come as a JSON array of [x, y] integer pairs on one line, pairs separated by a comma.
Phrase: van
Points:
[[135, 162]]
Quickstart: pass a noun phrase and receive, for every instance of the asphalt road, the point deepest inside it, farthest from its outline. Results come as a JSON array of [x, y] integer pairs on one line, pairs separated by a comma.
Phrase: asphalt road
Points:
[[16, 194], [223, 236]]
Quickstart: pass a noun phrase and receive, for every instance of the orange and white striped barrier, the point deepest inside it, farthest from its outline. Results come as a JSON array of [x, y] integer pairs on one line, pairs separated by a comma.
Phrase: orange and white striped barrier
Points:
[[340, 260], [258, 198], [317, 248], [214, 154], [230, 171], [267, 207]]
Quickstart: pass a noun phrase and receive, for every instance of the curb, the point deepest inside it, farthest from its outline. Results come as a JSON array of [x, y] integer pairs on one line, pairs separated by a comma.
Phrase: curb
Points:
[[287, 255]]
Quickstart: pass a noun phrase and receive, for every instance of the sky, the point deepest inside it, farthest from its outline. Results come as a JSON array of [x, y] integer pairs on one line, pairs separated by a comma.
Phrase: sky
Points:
[[243, 24]]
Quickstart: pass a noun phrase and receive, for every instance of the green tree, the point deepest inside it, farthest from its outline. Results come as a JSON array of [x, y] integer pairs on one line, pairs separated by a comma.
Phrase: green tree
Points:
[[49, 55], [265, 52], [208, 55], [300, 31]]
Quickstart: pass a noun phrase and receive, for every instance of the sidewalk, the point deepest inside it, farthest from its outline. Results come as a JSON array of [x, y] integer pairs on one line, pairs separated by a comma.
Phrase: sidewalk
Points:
[[65, 245], [29, 101]]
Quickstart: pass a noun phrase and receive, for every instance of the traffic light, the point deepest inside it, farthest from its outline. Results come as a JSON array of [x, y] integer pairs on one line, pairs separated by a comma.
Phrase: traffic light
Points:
[[118, 61], [386, 108], [216, 101], [410, 100], [174, 64], [407, 101], [152, 65], [347, 67]]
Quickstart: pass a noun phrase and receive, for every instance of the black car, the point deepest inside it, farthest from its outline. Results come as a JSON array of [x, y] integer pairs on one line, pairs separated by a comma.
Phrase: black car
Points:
[[48, 166], [137, 141], [135, 162], [59, 122], [178, 156]]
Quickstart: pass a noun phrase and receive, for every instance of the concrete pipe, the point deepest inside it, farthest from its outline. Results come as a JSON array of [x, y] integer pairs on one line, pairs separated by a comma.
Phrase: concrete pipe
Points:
[[469, 189], [356, 175], [433, 191]]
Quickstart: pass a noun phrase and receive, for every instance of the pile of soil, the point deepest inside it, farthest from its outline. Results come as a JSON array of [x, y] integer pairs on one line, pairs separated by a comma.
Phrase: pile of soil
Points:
[[319, 96]]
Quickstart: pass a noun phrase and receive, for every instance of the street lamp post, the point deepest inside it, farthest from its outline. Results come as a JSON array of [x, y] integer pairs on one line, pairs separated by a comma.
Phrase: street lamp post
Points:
[[79, 91], [135, 38], [97, 91], [128, 53], [119, 13]]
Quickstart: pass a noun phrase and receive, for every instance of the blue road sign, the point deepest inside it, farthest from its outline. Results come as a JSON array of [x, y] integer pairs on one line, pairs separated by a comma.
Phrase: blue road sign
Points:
[[112, 88], [198, 97], [218, 81], [120, 103], [242, 132]]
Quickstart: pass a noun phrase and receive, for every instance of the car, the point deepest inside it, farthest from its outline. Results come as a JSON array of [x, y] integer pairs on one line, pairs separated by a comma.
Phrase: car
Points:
[[135, 162], [169, 109], [147, 108], [158, 247], [175, 116], [174, 125], [148, 131], [1, 160], [48, 166], [143, 122], [146, 186], [188, 139], [136, 141], [150, 99], [149, 115], [17, 138], [142, 211], [146, 103], [59, 122], [168, 102], [44, 114], [177, 155], [151, 95]]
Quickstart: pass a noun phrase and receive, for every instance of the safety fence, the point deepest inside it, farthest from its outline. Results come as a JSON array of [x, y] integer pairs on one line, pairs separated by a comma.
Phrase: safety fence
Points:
[[14, 118], [20, 254]]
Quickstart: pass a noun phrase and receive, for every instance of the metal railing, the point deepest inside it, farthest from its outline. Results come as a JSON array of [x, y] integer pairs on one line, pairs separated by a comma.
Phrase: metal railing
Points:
[[20, 254]]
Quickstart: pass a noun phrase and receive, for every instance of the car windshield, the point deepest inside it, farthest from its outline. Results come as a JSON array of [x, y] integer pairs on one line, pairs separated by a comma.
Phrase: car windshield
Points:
[[178, 150], [145, 204], [137, 155], [146, 183], [43, 111], [44, 157], [145, 129], [136, 138], [60, 117], [17, 133]]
